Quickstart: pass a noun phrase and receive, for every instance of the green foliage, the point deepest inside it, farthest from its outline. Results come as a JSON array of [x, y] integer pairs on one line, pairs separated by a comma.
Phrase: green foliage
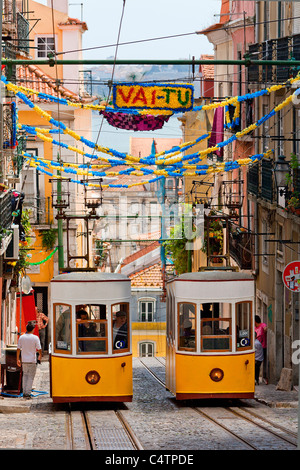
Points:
[[24, 247], [176, 248], [48, 238]]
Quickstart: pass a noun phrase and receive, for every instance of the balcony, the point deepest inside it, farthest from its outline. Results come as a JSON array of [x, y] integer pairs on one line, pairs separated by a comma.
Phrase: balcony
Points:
[[273, 49], [5, 220], [241, 247], [40, 210]]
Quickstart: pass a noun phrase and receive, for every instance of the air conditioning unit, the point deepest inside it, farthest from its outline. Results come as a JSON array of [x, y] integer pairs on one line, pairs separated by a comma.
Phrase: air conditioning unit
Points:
[[12, 251]]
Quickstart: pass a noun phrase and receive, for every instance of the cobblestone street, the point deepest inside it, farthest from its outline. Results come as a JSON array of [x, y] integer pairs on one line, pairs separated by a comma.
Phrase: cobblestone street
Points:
[[158, 421]]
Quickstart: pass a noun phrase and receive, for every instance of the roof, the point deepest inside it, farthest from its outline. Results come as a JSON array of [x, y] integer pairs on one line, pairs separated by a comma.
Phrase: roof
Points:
[[140, 253], [224, 18], [74, 21], [150, 277], [31, 76], [215, 276], [207, 69], [89, 277]]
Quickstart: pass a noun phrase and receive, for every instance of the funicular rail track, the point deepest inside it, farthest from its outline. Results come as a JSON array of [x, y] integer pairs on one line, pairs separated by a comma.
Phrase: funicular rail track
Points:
[[223, 416], [99, 430]]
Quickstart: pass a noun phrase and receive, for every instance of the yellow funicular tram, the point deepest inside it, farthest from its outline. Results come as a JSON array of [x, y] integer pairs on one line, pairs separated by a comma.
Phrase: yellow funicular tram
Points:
[[210, 335], [90, 353]]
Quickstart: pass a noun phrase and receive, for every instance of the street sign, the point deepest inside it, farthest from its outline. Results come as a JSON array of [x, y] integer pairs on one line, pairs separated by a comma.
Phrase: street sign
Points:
[[291, 276]]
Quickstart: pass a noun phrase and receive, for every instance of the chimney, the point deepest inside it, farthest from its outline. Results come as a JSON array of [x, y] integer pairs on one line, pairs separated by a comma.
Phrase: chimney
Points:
[[59, 5]]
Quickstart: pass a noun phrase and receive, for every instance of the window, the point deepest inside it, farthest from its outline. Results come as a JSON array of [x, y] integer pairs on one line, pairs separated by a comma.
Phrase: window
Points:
[[91, 329], [120, 327], [146, 349], [187, 326], [243, 325], [146, 309], [62, 322], [45, 45], [216, 327]]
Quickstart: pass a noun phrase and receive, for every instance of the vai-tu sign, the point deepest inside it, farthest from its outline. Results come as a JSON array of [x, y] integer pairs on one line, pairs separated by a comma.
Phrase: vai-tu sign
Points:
[[161, 96], [291, 276]]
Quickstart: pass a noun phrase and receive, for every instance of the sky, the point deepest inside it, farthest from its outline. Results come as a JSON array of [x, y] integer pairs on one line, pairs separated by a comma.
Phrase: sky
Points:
[[144, 20]]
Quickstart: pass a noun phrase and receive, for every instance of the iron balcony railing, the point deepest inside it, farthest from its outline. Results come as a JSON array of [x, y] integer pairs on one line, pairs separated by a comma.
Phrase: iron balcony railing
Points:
[[40, 210], [260, 180], [286, 48], [241, 247], [5, 211]]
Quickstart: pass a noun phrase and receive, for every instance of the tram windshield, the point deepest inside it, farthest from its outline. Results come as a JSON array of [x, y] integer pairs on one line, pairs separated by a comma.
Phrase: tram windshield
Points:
[[120, 327], [91, 329], [216, 327]]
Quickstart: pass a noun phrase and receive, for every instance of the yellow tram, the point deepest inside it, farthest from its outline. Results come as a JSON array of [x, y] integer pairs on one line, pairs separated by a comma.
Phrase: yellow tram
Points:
[[210, 335], [90, 351]]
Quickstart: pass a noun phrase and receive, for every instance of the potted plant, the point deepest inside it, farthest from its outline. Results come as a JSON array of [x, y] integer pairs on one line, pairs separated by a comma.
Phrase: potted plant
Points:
[[293, 204]]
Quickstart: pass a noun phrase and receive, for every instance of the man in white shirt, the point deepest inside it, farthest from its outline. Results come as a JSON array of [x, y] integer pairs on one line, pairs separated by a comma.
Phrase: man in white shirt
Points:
[[29, 344]]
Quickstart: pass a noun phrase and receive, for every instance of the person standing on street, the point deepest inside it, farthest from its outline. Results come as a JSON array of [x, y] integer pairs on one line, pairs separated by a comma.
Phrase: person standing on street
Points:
[[42, 322], [259, 357], [29, 344], [261, 331]]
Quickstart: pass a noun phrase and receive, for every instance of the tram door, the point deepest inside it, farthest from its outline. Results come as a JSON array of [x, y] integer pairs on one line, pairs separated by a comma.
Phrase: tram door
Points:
[[41, 302]]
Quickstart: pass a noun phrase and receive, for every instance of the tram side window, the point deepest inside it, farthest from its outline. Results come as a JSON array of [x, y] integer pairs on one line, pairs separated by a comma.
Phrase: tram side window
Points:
[[216, 327], [187, 326], [243, 325], [91, 329], [120, 327], [62, 321]]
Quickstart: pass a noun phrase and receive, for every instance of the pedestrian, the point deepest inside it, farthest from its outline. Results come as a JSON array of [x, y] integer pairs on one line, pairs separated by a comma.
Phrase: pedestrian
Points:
[[261, 330], [27, 348], [42, 322], [259, 357]]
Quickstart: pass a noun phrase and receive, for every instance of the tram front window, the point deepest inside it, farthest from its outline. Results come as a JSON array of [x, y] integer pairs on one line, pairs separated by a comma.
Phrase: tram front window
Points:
[[62, 322], [91, 329], [187, 326], [216, 327], [120, 327]]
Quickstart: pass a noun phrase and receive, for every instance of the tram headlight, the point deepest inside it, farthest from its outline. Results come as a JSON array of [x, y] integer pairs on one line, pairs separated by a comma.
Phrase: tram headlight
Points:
[[216, 374], [92, 377]]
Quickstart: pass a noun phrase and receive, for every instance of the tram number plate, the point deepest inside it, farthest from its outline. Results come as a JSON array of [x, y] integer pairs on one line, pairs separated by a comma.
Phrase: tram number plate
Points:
[[243, 333]]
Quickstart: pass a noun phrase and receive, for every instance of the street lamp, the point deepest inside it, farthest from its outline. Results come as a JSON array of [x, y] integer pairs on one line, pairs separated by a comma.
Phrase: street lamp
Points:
[[281, 171]]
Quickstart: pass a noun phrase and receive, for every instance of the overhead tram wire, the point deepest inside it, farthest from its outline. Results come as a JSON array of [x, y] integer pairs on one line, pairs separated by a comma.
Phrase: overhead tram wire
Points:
[[139, 41], [113, 71]]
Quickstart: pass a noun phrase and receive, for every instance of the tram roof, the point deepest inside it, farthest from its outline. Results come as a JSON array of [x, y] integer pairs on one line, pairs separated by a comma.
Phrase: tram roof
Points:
[[215, 275], [90, 277]]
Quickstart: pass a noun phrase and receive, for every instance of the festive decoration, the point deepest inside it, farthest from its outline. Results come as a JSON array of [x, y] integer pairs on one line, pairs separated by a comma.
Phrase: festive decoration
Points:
[[46, 259], [135, 122], [161, 96]]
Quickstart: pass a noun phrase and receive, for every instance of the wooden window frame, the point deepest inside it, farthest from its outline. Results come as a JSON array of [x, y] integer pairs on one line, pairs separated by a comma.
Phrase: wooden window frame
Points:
[[120, 351], [91, 338], [217, 336], [245, 348]]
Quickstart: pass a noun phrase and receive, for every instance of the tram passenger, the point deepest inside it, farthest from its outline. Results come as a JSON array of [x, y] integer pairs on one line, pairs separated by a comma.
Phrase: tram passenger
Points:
[[82, 328], [189, 335], [120, 340]]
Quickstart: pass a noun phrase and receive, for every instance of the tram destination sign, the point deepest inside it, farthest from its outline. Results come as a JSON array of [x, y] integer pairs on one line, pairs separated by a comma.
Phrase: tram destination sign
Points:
[[291, 276]]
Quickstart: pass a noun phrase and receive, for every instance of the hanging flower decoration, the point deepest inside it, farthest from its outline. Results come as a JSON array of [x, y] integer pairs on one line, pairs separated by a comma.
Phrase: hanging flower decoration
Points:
[[135, 122]]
